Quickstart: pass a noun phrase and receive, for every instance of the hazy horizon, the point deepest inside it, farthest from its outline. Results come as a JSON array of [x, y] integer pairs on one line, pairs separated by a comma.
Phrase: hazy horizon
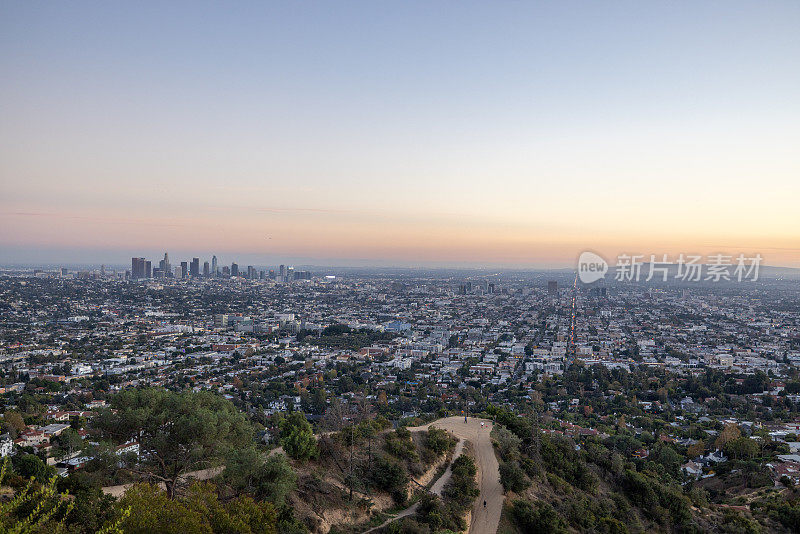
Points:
[[416, 134]]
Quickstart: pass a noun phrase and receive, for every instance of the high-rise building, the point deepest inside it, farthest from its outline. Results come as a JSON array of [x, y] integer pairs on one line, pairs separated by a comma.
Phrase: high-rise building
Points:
[[206, 269], [148, 269], [184, 269], [194, 269], [234, 269], [164, 265], [226, 271], [282, 273], [272, 274], [251, 272], [214, 267], [137, 268], [552, 287]]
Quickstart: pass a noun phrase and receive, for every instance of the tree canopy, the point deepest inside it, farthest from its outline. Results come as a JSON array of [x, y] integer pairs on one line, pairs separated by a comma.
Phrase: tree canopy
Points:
[[297, 437], [178, 432]]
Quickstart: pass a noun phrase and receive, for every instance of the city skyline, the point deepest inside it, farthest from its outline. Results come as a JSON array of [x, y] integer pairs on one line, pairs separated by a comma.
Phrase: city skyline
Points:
[[408, 135]]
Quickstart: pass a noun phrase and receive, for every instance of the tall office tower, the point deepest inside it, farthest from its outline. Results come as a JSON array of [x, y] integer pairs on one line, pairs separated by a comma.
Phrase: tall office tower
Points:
[[251, 272], [262, 275], [206, 269], [282, 273], [194, 268], [552, 287], [214, 268], [164, 265], [184, 269], [272, 274], [290, 274], [137, 268], [491, 288], [234, 269], [148, 269], [226, 271]]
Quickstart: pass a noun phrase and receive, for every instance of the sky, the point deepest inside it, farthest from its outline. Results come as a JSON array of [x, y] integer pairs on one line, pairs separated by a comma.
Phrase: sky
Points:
[[399, 133]]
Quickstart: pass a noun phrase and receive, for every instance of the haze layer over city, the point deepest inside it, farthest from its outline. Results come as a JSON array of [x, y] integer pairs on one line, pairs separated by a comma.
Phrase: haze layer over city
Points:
[[399, 268]]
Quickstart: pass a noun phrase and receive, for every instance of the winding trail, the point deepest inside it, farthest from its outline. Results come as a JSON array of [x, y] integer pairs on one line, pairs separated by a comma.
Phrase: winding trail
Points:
[[484, 519], [436, 488]]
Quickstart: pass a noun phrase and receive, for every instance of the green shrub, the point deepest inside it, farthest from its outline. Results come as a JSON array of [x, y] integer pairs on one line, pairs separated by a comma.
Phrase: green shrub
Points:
[[540, 518], [512, 477]]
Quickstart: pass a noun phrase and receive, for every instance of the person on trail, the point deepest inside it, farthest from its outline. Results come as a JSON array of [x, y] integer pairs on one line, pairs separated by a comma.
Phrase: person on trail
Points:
[[484, 504], [465, 418]]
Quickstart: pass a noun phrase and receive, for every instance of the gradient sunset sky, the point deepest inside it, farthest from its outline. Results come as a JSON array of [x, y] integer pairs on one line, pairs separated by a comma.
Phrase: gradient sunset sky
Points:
[[398, 133]]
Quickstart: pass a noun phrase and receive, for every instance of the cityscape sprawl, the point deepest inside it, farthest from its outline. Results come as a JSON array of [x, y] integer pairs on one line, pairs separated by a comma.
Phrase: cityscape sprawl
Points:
[[644, 368]]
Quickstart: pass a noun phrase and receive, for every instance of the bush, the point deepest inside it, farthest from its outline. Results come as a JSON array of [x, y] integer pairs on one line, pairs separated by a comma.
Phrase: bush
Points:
[[508, 443], [438, 440], [512, 477], [30, 465], [538, 519], [390, 477], [462, 489], [400, 445], [297, 437]]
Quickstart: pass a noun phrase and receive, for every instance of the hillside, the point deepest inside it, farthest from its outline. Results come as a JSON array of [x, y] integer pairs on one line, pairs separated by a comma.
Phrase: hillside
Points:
[[555, 483], [364, 471]]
